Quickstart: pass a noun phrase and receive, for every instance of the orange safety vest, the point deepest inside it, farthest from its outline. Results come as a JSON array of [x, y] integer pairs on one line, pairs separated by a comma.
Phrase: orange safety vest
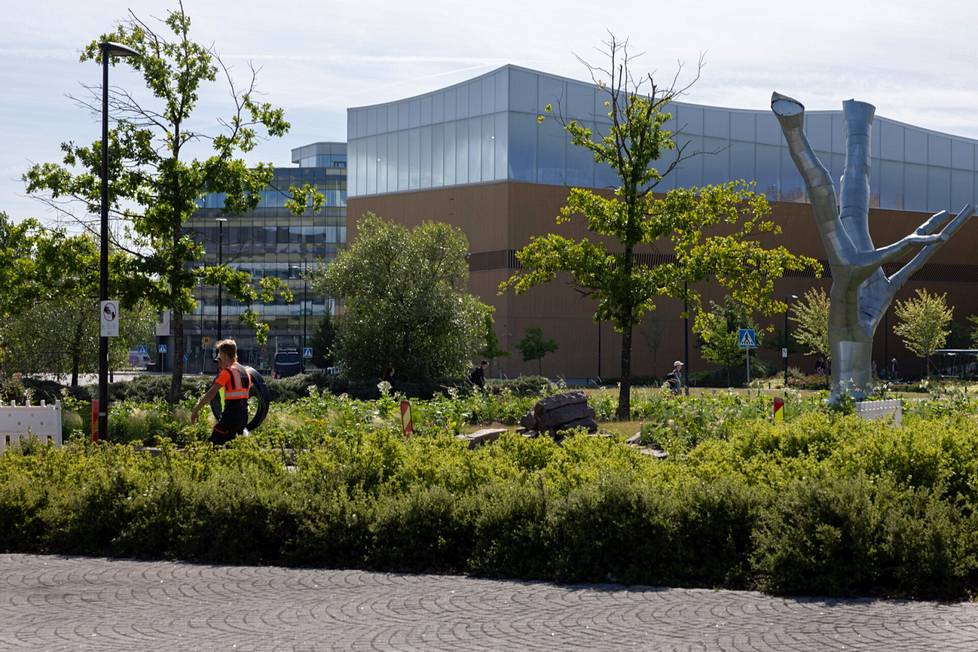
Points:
[[238, 391]]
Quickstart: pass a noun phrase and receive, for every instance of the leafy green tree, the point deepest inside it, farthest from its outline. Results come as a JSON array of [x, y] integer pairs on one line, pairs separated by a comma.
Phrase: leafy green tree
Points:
[[51, 323], [715, 231], [405, 301], [322, 342], [810, 318], [973, 322], [492, 350], [534, 346], [155, 183], [922, 323], [717, 330]]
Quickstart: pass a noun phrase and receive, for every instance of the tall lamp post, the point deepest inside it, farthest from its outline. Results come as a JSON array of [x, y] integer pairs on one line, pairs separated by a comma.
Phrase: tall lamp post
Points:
[[108, 49], [305, 290], [686, 337], [220, 261], [784, 355]]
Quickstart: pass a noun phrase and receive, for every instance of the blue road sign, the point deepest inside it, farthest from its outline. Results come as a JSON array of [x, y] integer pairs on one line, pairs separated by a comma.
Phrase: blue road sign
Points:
[[142, 348], [307, 352], [161, 348], [747, 338]]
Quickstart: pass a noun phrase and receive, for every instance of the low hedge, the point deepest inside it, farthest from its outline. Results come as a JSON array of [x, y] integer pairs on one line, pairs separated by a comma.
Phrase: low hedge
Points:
[[825, 504]]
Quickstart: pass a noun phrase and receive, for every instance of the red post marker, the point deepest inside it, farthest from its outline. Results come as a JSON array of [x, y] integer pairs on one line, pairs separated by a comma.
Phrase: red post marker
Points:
[[778, 409], [95, 419], [406, 422]]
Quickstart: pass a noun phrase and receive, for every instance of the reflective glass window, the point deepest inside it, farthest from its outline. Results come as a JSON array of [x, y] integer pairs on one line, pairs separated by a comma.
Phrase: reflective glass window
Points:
[[501, 83], [580, 102], [414, 113], [438, 107], [716, 160], [690, 172], [938, 188], [962, 155], [742, 126], [392, 161], [523, 91], [414, 147], [522, 147], [488, 95], [938, 150], [403, 115], [962, 189], [450, 150], [716, 123], [462, 101], [792, 185], [580, 164], [916, 146], [475, 98], [451, 101], [488, 138], [551, 140], [475, 149], [768, 129], [371, 158], [438, 155], [551, 91], [915, 187], [425, 181], [403, 160], [462, 151], [768, 159], [690, 119], [742, 161], [426, 110], [818, 126], [500, 154]]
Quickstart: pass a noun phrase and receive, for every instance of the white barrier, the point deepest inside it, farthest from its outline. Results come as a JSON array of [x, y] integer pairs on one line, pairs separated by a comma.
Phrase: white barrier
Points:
[[881, 410], [19, 422]]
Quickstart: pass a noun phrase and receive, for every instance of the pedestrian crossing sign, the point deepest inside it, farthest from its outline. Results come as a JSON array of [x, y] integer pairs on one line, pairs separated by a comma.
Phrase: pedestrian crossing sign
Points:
[[747, 338]]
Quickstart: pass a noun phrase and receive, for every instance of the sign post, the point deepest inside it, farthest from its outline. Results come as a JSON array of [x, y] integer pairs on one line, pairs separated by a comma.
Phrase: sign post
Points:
[[109, 319], [406, 424], [747, 340]]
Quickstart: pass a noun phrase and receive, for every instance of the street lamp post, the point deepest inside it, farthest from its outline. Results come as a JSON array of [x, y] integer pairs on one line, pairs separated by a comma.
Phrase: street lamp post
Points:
[[785, 356], [686, 337], [108, 49], [220, 262], [305, 291]]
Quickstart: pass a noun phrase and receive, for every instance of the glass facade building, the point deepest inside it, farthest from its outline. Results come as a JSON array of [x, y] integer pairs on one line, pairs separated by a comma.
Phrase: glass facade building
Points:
[[271, 241], [486, 130]]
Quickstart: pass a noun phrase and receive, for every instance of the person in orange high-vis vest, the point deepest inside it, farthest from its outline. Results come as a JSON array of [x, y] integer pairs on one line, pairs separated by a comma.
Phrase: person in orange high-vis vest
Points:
[[236, 382]]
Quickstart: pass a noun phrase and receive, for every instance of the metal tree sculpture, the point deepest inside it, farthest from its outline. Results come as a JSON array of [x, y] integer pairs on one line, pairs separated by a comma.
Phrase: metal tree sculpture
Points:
[[861, 292]]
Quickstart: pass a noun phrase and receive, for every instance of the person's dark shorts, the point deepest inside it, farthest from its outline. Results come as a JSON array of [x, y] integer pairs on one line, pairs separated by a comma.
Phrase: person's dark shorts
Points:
[[232, 423]]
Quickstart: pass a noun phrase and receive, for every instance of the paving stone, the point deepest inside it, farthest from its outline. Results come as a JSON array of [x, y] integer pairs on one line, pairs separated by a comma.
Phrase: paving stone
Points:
[[71, 603]]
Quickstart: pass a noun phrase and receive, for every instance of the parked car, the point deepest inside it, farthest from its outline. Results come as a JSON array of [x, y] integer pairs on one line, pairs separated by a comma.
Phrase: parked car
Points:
[[287, 362], [139, 358]]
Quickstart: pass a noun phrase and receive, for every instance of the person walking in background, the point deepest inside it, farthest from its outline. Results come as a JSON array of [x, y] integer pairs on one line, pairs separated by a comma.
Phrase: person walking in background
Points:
[[478, 375], [675, 377], [235, 380]]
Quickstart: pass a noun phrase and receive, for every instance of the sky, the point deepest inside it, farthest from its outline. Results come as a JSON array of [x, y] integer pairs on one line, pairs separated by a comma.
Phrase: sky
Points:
[[917, 62]]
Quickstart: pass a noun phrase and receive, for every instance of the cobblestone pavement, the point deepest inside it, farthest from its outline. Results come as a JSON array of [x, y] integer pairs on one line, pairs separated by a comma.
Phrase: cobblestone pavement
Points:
[[58, 603]]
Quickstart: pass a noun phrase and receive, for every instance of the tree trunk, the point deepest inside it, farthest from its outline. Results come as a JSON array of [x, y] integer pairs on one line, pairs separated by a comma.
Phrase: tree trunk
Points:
[[76, 352], [624, 411], [176, 382]]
